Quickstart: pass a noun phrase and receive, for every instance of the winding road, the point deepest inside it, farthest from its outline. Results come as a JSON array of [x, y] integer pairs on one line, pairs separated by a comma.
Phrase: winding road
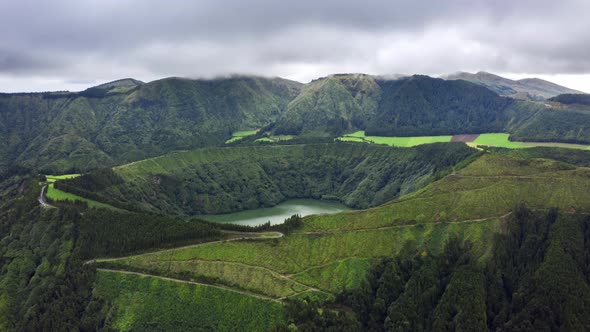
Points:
[[42, 200]]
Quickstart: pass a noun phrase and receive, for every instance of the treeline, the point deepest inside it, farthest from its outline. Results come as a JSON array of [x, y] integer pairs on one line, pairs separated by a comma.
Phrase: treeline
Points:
[[572, 98], [105, 233], [537, 279]]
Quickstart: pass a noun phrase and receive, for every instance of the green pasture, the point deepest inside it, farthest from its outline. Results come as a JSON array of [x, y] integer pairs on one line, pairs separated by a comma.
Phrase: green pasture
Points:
[[58, 195], [359, 136], [238, 135]]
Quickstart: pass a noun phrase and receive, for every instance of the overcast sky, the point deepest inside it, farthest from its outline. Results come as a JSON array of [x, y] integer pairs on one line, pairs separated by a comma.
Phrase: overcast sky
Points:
[[71, 45]]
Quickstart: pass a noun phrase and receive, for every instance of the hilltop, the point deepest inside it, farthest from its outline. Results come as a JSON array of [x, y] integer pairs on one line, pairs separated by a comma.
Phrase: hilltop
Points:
[[527, 89]]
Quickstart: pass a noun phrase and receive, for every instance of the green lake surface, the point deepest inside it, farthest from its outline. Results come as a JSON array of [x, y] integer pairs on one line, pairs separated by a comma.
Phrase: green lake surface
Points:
[[277, 214]]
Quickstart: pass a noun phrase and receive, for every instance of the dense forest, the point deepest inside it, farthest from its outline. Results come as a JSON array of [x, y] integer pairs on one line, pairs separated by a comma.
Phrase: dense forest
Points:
[[536, 279], [421, 106], [208, 181]]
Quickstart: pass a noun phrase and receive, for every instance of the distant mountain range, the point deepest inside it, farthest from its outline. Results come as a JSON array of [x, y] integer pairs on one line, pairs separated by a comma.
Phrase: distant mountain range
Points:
[[526, 89], [129, 120]]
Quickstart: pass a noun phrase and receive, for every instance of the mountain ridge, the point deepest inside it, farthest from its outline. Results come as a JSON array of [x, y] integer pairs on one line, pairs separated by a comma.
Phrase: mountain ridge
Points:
[[535, 89]]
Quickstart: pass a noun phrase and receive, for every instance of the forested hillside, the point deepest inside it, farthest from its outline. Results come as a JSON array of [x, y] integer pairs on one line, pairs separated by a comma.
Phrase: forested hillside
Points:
[[422, 106], [330, 106], [125, 121], [572, 99], [535, 280], [218, 180], [44, 283]]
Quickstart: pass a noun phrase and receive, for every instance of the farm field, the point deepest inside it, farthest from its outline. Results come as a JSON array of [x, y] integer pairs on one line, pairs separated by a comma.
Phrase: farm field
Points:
[[489, 139], [359, 136], [152, 304], [59, 195], [238, 135]]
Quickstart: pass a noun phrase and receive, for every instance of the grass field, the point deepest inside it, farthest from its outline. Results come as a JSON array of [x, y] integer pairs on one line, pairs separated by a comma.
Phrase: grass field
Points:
[[238, 135], [491, 139], [58, 195], [53, 178], [498, 140], [359, 136], [152, 304]]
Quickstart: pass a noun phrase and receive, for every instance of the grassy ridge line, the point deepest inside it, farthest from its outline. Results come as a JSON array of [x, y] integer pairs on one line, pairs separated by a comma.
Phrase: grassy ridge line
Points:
[[142, 303], [171, 162]]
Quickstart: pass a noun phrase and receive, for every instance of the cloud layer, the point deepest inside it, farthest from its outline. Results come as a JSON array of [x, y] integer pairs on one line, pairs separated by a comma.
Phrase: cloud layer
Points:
[[68, 44]]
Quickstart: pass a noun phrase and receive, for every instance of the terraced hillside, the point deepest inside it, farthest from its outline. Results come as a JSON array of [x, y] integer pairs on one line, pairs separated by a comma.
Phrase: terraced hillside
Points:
[[218, 180], [332, 253]]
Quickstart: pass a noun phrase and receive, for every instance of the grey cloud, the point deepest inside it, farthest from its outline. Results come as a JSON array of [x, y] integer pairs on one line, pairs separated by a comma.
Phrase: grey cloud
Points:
[[95, 40]]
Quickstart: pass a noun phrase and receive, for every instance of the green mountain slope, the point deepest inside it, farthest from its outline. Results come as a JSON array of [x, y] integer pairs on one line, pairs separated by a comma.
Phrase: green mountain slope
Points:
[[330, 106], [423, 106], [125, 120], [220, 180]]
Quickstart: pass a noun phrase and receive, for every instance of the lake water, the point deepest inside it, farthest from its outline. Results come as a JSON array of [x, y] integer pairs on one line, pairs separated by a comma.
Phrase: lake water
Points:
[[277, 214]]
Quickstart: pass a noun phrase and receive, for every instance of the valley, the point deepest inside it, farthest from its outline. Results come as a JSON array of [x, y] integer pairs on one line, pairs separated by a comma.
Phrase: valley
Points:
[[356, 203], [294, 166], [333, 253]]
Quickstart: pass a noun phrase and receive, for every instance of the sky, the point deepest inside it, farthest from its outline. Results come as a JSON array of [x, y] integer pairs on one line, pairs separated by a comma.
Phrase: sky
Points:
[[72, 44]]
